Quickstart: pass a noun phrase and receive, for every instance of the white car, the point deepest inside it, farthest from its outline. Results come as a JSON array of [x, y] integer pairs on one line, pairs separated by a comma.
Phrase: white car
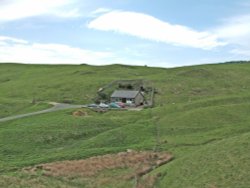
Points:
[[103, 105]]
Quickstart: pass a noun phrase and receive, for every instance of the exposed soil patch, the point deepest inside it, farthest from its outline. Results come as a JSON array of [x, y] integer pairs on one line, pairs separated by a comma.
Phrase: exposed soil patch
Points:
[[136, 165], [199, 91]]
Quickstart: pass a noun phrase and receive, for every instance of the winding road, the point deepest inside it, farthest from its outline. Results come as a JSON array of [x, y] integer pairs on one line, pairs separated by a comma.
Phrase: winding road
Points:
[[56, 107]]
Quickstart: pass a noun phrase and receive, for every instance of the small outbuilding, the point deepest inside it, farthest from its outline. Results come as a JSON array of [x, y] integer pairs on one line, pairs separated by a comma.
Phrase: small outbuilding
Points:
[[128, 97]]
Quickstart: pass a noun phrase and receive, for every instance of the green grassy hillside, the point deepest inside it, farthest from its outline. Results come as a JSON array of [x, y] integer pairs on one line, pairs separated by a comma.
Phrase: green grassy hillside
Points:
[[201, 116]]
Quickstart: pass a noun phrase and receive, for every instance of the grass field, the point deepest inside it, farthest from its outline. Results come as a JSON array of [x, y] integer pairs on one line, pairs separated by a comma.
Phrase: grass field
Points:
[[201, 116]]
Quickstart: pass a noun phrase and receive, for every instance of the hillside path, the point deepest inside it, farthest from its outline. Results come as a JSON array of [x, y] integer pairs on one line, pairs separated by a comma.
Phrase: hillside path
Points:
[[56, 107]]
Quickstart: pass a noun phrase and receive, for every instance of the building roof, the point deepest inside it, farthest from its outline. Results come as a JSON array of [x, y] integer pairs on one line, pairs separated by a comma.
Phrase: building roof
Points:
[[124, 94]]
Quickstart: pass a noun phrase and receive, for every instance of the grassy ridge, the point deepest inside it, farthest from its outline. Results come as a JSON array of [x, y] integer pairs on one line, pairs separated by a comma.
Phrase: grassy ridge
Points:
[[60, 135], [78, 84], [201, 117], [221, 164], [10, 107]]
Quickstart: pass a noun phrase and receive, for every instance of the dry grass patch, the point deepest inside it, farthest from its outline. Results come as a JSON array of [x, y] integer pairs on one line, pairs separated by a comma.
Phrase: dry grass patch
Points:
[[79, 113], [132, 166]]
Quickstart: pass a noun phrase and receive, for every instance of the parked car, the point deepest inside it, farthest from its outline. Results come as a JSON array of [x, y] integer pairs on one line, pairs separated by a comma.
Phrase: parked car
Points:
[[103, 105], [121, 104], [92, 105], [114, 105]]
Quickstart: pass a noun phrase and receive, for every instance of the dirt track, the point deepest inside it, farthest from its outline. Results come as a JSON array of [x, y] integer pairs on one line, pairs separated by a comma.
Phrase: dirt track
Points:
[[56, 107]]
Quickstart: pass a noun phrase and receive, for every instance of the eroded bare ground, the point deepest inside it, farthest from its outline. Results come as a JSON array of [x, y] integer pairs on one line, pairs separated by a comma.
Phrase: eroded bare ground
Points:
[[124, 166]]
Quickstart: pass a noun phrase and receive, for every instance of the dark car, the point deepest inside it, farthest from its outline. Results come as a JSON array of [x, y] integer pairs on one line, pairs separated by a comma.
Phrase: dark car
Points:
[[92, 106]]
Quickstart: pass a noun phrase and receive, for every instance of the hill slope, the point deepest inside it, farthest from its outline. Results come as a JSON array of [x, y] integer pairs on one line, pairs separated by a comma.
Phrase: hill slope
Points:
[[201, 117]]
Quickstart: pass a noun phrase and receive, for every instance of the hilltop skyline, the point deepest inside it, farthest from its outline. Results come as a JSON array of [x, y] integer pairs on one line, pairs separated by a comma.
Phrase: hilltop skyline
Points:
[[163, 33]]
